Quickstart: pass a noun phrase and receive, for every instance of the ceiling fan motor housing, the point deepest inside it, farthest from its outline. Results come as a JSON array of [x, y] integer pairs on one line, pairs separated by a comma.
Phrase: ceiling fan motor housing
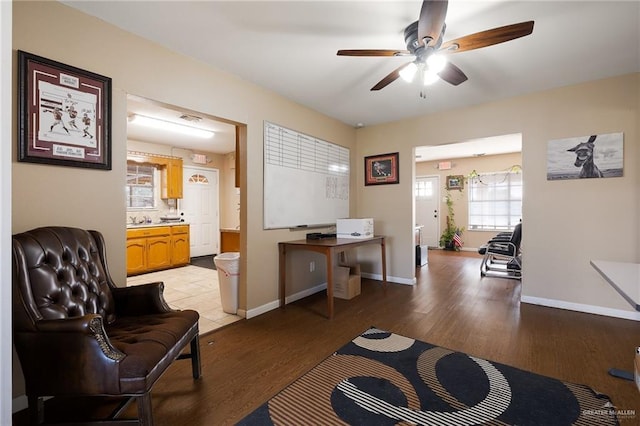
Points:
[[417, 47]]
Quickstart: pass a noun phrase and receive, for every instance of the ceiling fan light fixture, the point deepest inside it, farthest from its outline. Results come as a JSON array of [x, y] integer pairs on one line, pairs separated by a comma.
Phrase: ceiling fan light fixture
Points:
[[408, 73], [170, 126], [436, 62], [429, 77]]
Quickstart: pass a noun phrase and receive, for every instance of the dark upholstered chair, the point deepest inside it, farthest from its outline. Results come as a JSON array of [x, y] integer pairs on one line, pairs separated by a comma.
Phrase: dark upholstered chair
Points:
[[77, 334]]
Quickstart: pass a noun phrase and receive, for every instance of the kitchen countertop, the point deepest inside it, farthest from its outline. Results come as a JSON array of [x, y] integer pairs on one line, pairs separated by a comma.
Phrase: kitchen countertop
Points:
[[229, 230], [154, 224]]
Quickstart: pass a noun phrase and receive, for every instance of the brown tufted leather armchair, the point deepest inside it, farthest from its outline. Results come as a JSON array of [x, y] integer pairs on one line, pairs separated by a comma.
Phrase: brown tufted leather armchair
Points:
[[77, 334]]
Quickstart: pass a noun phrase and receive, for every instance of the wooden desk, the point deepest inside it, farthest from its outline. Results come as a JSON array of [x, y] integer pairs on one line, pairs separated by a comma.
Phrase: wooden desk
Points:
[[329, 247], [625, 278]]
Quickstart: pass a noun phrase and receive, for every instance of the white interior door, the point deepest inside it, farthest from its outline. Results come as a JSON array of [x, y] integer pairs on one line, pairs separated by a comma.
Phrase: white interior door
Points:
[[428, 208], [200, 205]]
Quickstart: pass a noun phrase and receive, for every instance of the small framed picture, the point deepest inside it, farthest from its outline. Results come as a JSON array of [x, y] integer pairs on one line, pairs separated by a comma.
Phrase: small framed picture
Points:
[[64, 114], [381, 169], [455, 182]]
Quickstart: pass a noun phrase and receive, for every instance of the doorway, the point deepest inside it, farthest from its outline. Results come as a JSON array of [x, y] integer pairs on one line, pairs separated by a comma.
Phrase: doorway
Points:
[[427, 193], [468, 164], [200, 206]]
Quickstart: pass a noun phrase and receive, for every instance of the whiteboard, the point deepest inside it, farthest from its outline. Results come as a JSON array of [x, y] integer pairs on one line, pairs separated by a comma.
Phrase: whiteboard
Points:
[[306, 179]]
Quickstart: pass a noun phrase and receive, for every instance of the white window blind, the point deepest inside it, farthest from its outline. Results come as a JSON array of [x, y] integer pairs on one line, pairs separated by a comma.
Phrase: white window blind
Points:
[[495, 201], [140, 186]]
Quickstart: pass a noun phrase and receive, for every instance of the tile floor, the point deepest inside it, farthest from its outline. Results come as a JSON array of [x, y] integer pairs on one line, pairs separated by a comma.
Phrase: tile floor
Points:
[[192, 287]]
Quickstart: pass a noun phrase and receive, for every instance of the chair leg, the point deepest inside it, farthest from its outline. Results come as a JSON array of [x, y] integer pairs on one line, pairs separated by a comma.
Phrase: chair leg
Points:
[[145, 415], [195, 357], [483, 265], [36, 410]]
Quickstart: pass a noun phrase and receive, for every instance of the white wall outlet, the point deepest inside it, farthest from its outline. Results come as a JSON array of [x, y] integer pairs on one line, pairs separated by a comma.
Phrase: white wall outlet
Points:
[[312, 266]]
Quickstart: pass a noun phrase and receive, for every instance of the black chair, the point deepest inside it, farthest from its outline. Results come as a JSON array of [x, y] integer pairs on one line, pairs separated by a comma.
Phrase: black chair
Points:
[[502, 255]]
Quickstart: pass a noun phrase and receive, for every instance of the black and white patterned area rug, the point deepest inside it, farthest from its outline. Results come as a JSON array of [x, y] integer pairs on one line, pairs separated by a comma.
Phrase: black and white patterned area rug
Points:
[[382, 378]]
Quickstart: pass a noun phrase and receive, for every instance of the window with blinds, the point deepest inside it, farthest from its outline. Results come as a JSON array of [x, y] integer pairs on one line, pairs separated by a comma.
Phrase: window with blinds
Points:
[[140, 186], [495, 201]]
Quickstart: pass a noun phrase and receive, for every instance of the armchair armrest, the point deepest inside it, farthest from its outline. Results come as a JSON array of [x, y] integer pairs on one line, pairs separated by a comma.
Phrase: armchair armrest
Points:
[[502, 237], [145, 299], [506, 248], [71, 355]]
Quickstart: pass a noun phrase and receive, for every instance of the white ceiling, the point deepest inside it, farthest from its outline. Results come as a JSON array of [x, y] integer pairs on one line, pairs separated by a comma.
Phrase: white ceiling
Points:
[[223, 141], [290, 47], [502, 144]]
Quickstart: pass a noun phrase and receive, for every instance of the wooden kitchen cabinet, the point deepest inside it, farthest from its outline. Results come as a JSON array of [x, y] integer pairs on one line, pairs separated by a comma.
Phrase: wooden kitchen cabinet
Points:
[[158, 253], [153, 248], [136, 255], [148, 249], [170, 171], [172, 179], [229, 240], [180, 249]]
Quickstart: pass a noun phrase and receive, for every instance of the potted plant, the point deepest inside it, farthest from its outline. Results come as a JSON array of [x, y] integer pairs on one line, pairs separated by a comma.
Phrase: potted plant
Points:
[[451, 238]]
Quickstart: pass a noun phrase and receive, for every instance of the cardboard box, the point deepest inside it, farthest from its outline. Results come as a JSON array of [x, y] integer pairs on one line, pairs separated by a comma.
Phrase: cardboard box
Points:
[[346, 281], [354, 228]]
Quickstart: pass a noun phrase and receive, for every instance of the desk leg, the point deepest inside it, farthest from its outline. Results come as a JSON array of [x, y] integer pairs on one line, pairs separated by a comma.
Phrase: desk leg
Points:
[[282, 273], [329, 254], [384, 263]]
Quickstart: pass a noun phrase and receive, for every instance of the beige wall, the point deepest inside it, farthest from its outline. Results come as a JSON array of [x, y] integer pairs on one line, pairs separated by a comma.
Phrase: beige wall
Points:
[[574, 221], [46, 195], [90, 198], [567, 223], [464, 166], [230, 195]]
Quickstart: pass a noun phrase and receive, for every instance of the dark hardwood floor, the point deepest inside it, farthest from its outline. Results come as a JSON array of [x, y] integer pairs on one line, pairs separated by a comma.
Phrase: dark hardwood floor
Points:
[[249, 361]]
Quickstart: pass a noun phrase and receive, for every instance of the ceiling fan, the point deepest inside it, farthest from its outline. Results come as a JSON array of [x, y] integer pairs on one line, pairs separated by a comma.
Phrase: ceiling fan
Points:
[[424, 40]]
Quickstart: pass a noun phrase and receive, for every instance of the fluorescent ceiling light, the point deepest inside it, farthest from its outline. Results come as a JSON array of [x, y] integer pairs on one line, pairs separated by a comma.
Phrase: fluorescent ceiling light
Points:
[[171, 126]]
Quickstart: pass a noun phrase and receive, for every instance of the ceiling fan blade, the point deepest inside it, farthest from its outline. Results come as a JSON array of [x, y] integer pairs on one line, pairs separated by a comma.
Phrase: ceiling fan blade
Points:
[[452, 74], [432, 16], [393, 76], [373, 52], [488, 37]]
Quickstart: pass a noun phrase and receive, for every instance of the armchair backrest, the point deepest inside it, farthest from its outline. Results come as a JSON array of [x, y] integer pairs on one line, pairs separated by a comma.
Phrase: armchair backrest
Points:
[[59, 272]]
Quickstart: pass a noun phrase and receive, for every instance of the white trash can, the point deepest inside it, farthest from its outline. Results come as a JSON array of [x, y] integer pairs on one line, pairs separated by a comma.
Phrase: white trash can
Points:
[[228, 266]]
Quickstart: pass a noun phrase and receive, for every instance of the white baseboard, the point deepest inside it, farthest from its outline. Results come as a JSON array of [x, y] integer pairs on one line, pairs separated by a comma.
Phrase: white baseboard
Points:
[[461, 248], [579, 307], [396, 280], [262, 309], [308, 292], [475, 249], [292, 298]]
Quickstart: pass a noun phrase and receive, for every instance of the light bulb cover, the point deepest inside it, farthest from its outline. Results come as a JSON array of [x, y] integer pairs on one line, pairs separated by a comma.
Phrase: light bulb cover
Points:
[[429, 77], [407, 73], [436, 63]]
